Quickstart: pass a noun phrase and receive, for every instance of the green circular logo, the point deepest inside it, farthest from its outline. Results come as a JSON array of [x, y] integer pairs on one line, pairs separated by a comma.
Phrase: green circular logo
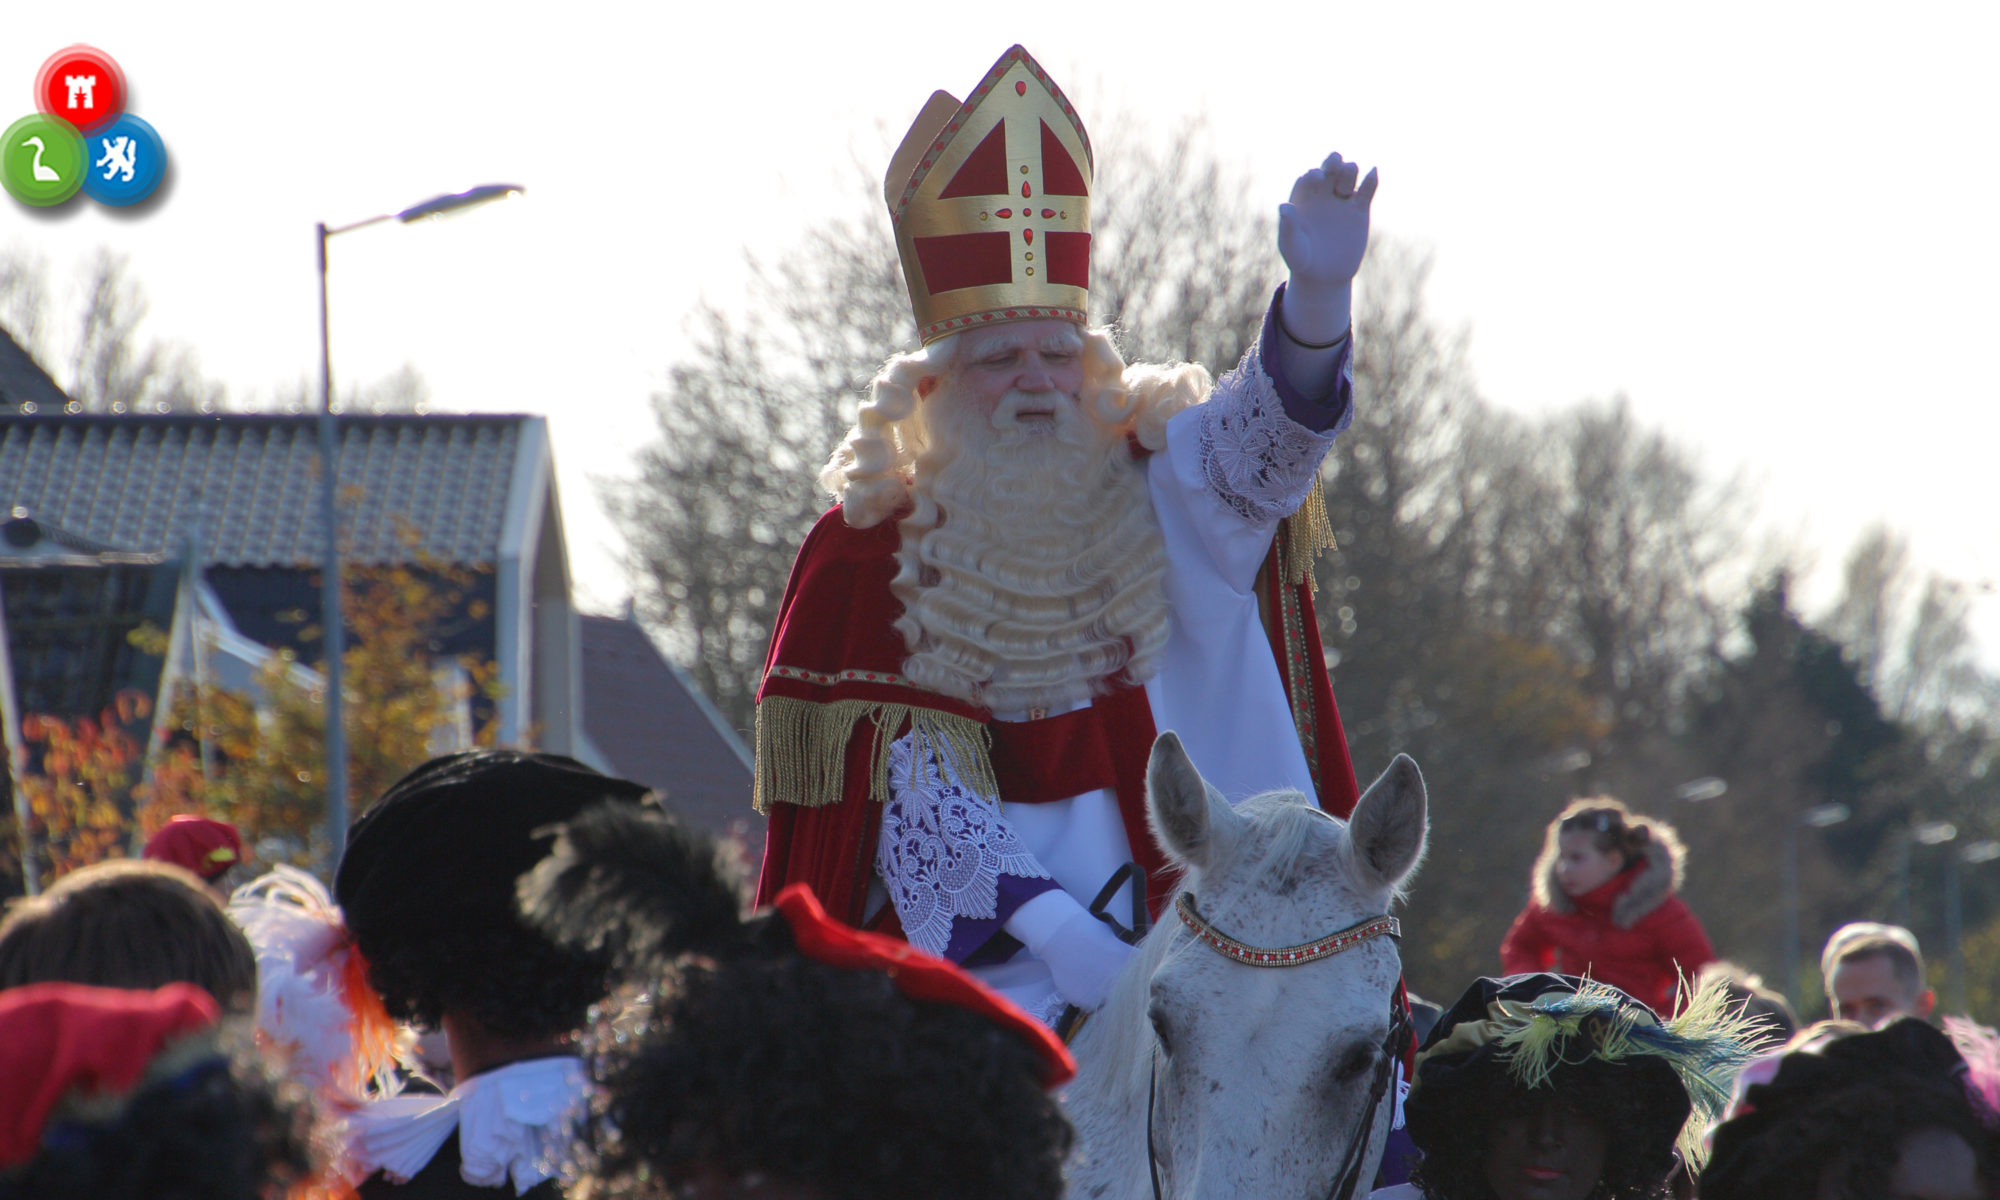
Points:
[[41, 160]]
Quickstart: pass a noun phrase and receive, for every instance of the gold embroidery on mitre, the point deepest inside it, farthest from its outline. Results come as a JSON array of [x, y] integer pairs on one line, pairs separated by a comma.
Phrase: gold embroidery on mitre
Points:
[[990, 200]]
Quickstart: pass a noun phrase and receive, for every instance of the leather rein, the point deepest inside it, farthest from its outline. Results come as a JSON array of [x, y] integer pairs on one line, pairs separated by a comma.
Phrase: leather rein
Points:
[[1349, 1176]]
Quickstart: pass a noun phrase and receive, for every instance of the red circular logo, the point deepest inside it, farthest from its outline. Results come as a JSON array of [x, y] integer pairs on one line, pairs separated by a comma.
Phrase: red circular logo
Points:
[[81, 85]]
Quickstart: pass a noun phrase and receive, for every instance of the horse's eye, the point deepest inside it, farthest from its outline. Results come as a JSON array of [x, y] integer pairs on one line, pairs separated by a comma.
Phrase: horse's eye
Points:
[[1355, 1060], [1158, 1017]]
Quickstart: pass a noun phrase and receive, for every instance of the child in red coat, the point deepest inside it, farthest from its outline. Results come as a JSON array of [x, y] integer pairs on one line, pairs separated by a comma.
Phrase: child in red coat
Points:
[[1605, 905]]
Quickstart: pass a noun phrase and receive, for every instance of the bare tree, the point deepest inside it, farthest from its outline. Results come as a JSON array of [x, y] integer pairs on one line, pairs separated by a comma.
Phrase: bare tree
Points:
[[403, 390], [24, 299], [1910, 635], [108, 365], [1182, 256], [1875, 584], [1641, 544]]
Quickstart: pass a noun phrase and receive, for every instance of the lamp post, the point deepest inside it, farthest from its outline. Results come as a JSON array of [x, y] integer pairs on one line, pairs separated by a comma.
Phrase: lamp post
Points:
[[1983, 850], [332, 632], [1708, 787], [1923, 833], [1820, 816]]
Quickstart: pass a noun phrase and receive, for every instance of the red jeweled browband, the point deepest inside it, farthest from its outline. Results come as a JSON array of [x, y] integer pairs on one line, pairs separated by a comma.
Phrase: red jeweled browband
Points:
[[1287, 956]]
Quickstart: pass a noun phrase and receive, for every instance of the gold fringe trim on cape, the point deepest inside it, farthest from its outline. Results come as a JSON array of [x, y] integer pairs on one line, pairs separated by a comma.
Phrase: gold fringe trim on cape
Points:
[[802, 748], [1306, 534]]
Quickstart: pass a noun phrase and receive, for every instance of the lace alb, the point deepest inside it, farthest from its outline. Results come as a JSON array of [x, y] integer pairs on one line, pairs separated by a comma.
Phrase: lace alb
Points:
[[1259, 461], [943, 848]]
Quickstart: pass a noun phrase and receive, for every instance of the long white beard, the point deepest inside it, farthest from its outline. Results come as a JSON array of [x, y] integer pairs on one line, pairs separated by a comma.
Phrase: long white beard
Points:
[[1031, 568]]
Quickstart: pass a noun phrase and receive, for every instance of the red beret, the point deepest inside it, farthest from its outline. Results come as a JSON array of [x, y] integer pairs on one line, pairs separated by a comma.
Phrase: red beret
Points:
[[56, 1038], [919, 976], [206, 847]]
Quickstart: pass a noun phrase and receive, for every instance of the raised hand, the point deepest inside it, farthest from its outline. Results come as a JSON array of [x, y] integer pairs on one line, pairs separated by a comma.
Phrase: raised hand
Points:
[[1323, 229]]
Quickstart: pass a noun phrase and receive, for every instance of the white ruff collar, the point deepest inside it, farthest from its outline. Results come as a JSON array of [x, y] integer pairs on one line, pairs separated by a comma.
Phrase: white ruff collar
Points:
[[513, 1122]]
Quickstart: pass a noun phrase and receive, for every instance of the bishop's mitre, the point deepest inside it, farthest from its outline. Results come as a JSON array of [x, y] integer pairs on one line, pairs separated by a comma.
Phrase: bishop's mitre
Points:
[[990, 201]]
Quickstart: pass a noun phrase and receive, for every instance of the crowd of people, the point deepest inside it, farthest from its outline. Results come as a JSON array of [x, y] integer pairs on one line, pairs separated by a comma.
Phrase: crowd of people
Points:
[[613, 1024], [526, 980]]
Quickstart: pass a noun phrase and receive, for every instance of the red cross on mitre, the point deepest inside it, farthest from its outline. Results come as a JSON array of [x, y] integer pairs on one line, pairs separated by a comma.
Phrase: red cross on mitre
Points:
[[990, 200]]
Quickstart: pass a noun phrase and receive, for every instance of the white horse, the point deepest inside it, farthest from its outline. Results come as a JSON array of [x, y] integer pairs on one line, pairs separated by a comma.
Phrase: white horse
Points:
[[1207, 1074]]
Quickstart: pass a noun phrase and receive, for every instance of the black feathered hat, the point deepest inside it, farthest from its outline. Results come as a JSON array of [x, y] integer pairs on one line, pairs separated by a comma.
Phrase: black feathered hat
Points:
[[442, 849], [1532, 1031], [447, 841]]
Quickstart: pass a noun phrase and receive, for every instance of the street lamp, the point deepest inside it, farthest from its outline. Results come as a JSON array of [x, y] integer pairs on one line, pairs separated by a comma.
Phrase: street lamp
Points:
[[1923, 833], [1981, 851], [332, 633], [1820, 816], [1708, 787]]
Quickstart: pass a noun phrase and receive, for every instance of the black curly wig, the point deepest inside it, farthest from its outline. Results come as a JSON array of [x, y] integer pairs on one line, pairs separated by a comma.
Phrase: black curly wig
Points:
[[750, 1058], [215, 1124], [1845, 1108], [510, 980], [1635, 1168], [427, 888], [780, 1066]]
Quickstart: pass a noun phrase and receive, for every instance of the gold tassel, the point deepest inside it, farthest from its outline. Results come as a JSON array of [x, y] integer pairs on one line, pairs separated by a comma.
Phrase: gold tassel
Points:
[[802, 748], [1307, 533]]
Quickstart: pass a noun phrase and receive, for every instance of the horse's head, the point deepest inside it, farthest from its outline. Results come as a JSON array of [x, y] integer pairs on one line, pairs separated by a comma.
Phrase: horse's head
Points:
[[1261, 1076]]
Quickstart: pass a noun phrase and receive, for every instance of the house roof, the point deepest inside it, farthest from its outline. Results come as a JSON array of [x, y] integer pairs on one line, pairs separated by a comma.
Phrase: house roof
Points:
[[648, 721], [22, 380], [249, 483]]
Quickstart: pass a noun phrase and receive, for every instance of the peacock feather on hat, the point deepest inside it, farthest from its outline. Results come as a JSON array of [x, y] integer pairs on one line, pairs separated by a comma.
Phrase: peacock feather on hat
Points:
[[1573, 1022]]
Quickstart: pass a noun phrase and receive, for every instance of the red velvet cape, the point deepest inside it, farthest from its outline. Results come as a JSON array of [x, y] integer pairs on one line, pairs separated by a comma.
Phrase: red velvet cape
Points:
[[836, 663]]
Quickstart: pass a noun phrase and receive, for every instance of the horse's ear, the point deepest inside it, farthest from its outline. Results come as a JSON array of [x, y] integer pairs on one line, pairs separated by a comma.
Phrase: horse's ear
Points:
[[1387, 831], [1188, 816]]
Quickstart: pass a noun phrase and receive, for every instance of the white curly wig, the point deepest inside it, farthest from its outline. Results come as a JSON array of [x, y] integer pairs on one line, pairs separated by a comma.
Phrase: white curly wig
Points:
[[870, 472], [1047, 584]]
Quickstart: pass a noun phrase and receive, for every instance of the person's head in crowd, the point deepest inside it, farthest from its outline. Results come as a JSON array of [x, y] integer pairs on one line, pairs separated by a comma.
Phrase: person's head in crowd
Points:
[[207, 848], [1594, 840], [1874, 973], [427, 888], [135, 1095], [788, 1056], [128, 923], [1549, 1087], [1754, 999], [1871, 1114]]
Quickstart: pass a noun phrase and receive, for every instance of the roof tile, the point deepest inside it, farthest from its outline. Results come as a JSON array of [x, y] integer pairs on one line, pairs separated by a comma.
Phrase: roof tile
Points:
[[142, 483]]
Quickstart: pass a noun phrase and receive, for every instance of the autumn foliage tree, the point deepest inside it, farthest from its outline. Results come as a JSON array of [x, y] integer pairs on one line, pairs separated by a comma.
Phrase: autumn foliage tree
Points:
[[257, 760], [78, 798]]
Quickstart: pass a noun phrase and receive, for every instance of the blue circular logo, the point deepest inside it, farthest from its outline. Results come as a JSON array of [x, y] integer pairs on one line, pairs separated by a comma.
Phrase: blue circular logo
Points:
[[124, 161]]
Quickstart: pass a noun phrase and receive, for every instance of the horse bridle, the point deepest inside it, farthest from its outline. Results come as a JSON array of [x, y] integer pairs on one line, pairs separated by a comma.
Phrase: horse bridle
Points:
[[1348, 1178]]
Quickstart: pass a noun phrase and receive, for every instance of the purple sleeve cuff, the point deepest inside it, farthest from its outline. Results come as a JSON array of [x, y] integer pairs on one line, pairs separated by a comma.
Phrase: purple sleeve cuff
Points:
[[1318, 414], [980, 942]]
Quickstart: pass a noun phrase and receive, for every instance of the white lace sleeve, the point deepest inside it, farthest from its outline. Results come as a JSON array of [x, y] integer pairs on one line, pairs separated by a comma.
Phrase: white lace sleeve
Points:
[[943, 848], [1259, 461]]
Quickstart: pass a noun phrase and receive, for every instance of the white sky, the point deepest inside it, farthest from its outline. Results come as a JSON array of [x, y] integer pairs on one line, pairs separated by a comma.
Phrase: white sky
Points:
[[1772, 226]]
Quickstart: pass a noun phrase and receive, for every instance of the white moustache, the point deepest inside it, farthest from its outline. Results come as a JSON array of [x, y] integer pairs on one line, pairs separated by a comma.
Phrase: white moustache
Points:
[[1036, 413]]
